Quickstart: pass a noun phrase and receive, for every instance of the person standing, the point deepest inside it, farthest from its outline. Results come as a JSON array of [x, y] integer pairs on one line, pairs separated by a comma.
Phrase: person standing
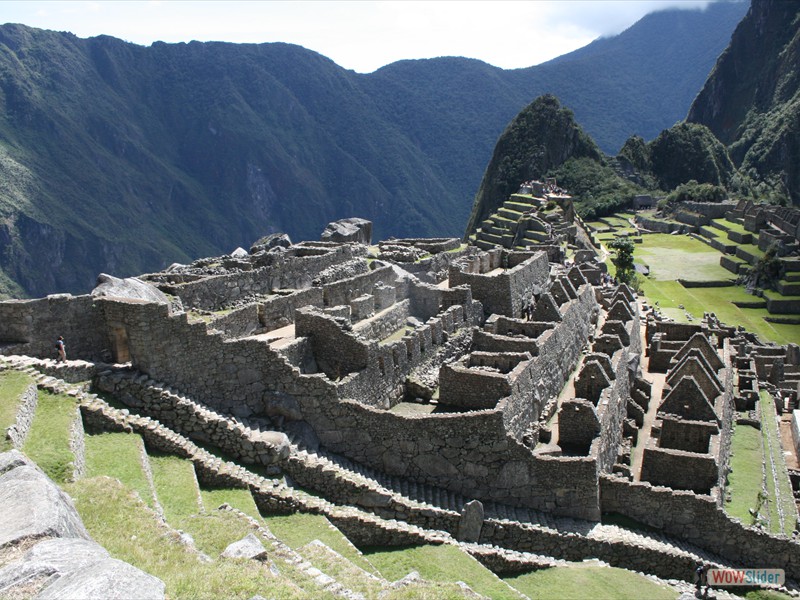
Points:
[[62, 349]]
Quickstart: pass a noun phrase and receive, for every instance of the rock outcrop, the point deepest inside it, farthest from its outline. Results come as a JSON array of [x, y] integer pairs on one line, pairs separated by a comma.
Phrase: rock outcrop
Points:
[[348, 230], [66, 563]]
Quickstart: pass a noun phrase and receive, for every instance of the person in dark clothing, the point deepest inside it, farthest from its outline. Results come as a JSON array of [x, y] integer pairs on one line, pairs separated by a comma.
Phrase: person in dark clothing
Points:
[[62, 349]]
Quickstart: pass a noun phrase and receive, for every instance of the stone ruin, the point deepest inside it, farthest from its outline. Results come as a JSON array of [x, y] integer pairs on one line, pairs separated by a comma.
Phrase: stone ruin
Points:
[[499, 396]]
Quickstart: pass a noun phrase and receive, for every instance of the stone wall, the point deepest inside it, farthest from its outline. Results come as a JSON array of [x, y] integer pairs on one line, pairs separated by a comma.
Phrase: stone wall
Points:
[[468, 453], [506, 326], [271, 272], [337, 352], [433, 269], [662, 226], [386, 323], [679, 469], [698, 520], [345, 290], [240, 376], [469, 384], [31, 327], [612, 411], [237, 323], [237, 438], [278, 311], [269, 314], [25, 412], [77, 444], [373, 373], [491, 342], [712, 210], [508, 291], [692, 436]]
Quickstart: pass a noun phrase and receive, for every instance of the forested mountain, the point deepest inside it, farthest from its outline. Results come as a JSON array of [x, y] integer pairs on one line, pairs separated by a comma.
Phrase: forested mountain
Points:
[[122, 158], [751, 100]]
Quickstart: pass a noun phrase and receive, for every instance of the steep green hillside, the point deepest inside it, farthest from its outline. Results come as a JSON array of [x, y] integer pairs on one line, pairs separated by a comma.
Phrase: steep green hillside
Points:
[[124, 158], [540, 138], [751, 100], [121, 158]]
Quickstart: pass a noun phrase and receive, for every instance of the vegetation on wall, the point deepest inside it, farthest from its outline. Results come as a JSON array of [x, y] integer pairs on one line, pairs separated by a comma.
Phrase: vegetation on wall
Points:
[[697, 192]]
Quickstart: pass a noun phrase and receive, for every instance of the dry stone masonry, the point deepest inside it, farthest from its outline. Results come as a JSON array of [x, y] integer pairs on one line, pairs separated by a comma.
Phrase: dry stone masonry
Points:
[[428, 391]]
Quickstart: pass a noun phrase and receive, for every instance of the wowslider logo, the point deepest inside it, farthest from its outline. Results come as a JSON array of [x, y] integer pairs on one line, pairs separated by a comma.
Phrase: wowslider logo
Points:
[[725, 577]]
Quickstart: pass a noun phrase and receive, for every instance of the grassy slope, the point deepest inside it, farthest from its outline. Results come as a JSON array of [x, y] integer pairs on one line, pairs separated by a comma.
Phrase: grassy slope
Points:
[[440, 563], [744, 482], [237, 498], [674, 256], [118, 455], [299, 529], [598, 583], [47, 443], [12, 385], [130, 531]]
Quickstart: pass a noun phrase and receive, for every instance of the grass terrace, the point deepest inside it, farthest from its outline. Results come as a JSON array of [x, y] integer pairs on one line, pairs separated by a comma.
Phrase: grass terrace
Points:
[[12, 385], [730, 225], [757, 464], [587, 581], [119, 455], [439, 563], [299, 529], [47, 443], [746, 477], [671, 257], [666, 255], [119, 521], [782, 508]]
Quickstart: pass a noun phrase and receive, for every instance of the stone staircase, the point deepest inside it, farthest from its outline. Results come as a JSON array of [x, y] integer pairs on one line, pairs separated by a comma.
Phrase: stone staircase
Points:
[[96, 410], [373, 508]]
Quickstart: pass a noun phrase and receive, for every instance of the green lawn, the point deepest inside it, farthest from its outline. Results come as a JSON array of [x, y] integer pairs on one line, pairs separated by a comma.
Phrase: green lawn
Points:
[[130, 531], [440, 563], [299, 529], [119, 455], [750, 447], [580, 582], [673, 257], [746, 478], [678, 256], [671, 294], [12, 385], [776, 464], [47, 443]]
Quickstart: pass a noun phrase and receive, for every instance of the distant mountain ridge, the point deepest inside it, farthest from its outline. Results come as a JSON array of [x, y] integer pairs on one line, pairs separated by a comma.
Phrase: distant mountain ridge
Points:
[[121, 158]]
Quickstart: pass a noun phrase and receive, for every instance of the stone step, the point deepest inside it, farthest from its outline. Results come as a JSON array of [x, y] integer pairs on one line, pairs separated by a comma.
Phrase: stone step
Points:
[[272, 493]]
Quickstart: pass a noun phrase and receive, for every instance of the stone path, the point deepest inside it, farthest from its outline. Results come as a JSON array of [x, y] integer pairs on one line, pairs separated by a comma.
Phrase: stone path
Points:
[[657, 380]]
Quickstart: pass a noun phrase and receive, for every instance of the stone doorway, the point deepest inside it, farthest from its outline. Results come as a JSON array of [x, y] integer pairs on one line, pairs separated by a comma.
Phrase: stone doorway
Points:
[[119, 344]]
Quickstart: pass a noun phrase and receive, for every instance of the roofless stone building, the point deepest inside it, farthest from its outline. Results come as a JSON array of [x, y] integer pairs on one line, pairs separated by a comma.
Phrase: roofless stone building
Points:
[[410, 379]]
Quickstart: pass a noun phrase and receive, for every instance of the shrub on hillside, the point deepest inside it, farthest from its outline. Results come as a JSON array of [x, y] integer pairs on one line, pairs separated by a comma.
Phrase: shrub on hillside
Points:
[[697, 192]]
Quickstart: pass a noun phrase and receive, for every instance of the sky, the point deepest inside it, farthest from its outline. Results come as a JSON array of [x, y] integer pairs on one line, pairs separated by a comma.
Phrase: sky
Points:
[[359, 35]]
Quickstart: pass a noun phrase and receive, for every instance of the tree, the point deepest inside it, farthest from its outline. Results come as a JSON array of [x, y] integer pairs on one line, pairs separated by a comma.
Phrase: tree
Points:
[[623, 260]]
